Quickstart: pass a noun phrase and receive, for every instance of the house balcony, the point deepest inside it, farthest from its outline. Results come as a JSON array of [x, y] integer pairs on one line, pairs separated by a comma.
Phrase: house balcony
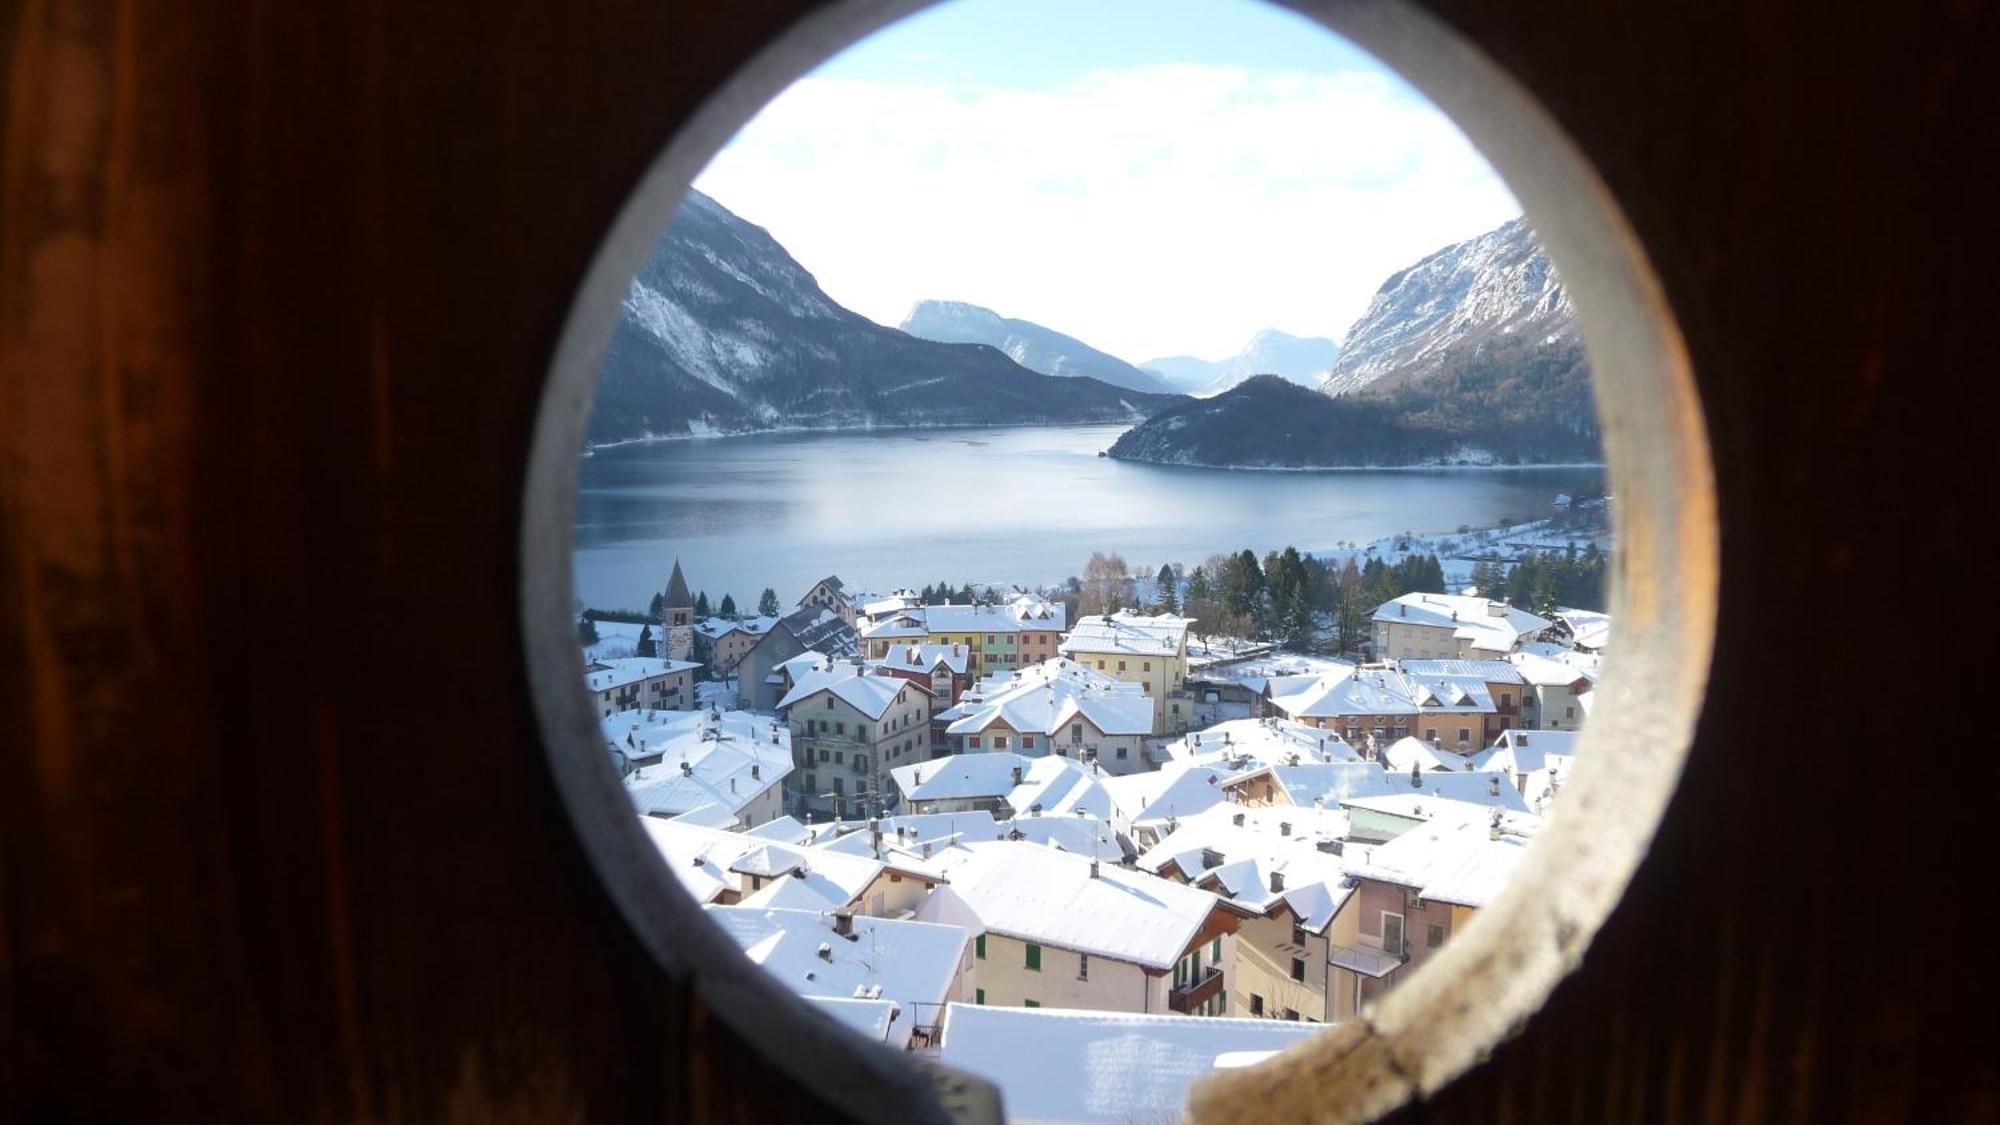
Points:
[[1189, 997], [1368, 960]]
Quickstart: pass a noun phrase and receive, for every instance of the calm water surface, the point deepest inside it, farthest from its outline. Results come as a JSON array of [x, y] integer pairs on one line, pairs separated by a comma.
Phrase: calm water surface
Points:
[[912, 507]]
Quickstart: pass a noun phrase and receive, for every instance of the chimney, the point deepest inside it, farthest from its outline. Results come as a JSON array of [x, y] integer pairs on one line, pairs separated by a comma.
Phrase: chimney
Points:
[[1093, 869], [1237, 820], [1416, 775], [1496, 609], [843, 924], [1035, 809], [1493, 786], [927, 849], [1284, 828], [826, 952], [1017, 775], [686, 770], [1330, 847], [756, 773], [1277, 881], [1402, 610]]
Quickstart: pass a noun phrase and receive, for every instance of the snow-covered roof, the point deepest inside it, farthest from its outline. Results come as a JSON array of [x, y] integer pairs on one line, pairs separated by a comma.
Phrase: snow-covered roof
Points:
[[1451, 859], [1524, 751], [821, 630], [1212, 849], [1327, 784], [872, 1018], [1055, 1064], [1546, 670], [1436, 793], [870, 694], [1587, 628], [1384, 689], [1500, 671], [1024, 612], [716, 628], [961, 777], [1047, 895], [1059, 786], [1489, 626], [618, 672], [1169, 792], [703, 860], [1412, 751], [1240, 744], [1128, 634], [706, 758], [1046, 698], [1084, 835], [926, 658], [910, 963]]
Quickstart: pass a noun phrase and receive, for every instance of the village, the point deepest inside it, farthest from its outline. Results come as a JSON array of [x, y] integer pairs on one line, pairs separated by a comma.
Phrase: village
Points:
[[979, 830]]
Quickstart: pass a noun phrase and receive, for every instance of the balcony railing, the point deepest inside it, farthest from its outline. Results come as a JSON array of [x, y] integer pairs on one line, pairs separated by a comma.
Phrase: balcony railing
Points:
[[1367, 960], [1193, 995]]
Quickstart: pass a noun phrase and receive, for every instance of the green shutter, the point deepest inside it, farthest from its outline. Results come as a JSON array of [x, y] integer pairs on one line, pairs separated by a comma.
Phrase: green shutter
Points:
[[979, 996], [1215, 952], [1031, 1003], [979, 946], [1034, 957]]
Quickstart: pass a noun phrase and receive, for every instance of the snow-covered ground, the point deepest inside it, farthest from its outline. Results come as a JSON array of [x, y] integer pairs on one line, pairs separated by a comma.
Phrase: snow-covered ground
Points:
[[1458, 551]]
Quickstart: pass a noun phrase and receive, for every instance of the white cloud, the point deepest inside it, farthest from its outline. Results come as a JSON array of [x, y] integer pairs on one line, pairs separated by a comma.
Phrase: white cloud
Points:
[[1166, 209]]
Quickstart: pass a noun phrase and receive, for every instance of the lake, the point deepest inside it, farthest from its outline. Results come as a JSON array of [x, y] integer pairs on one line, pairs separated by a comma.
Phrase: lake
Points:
[[911, 507]]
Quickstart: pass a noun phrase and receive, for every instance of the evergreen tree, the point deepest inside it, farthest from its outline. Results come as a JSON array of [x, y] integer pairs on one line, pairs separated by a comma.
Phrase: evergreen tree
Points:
[[728, 606], [658, 608], [767, 602], [965, 594], [646, 646], [1163, 589], [586, 631], [701, 610]]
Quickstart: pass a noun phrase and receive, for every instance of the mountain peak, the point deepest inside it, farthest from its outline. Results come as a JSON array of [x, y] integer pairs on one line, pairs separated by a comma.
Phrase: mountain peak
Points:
[[1031, 345]]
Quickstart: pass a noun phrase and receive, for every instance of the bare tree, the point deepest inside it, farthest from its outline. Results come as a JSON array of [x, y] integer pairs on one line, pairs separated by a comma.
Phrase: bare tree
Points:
[[1104, 582]]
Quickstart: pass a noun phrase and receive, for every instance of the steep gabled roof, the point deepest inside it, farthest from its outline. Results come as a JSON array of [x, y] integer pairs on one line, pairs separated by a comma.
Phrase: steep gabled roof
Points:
[[677, 590]]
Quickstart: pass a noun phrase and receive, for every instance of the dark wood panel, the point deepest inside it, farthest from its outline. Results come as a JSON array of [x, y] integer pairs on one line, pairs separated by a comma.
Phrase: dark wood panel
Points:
[[278, 286]]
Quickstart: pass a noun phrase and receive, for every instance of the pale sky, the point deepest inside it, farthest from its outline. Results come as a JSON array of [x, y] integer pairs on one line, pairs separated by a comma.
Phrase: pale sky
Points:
[[1154, 177]]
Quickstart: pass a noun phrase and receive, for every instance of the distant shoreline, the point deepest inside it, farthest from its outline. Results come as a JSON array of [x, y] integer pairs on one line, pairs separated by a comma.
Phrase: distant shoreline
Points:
[[592, 447], [1427, 467]]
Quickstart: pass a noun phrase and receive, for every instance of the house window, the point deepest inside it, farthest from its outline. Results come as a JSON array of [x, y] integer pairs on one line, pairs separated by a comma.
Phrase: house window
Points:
[[829, 703], [979, 947], [839, 786], [1430, 734], [999, 742], [1147, 666], [840, 757], [1392, 933], [1083, 966], [824, 755], [1034, 957], [840, 728], [861, 731], [1027, 742], [973, 742], [1121, 751], [979, 996], [1465, 734], [1256, 1004], [1292, 1014], [1298, 935], [1434, 935], [1031, 1003], [1121, 665], [1298, 968]]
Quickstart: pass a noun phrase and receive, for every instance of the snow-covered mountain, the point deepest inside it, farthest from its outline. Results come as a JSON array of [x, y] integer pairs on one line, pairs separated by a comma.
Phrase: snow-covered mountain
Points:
[[1304, 360], [1497, 286], [723, 332], [1470, 356], [1026, 343]]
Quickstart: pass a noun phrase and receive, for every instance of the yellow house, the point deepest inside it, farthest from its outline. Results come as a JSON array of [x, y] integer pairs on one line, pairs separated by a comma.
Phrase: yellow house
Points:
[[1147, 650]]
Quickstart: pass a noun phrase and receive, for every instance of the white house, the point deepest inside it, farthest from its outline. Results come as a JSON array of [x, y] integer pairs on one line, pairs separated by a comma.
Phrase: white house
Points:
[[640, 683], [732, 763], [1067, 930], [1451, 627], [1055, 707], [918, 967]]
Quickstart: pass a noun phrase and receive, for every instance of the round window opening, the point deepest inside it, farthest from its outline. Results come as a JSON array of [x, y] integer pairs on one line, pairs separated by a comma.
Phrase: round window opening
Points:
[[1089, 537]]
